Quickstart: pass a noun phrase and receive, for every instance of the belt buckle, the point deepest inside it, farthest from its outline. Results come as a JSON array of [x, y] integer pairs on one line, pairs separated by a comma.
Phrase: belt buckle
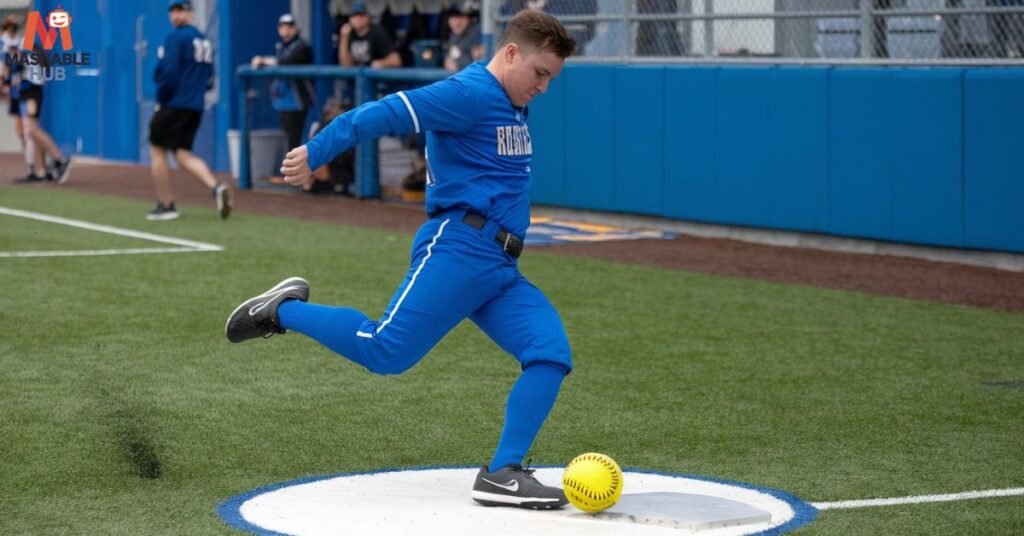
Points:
[[513, 245]]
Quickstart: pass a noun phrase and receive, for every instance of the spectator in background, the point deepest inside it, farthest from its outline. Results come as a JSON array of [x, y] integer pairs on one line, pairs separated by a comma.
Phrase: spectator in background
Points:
[[29, 86], [291, 98], [366, 44], [9, 43], [464, 44]]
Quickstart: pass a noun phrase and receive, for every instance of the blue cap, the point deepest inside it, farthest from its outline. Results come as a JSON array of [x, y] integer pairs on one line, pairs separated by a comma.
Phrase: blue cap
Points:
[[358, 7], [183, 4]]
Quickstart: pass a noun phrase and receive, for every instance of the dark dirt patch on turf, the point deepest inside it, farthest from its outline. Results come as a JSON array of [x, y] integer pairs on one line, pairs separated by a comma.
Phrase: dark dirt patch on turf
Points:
[[887, 275]]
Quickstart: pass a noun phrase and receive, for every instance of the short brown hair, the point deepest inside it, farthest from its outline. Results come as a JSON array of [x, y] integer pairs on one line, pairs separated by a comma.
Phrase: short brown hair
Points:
[[540, 30], [9, 23]]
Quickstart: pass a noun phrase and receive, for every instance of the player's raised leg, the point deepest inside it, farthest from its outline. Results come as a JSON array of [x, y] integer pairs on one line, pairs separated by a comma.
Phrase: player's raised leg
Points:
[[443, 285]]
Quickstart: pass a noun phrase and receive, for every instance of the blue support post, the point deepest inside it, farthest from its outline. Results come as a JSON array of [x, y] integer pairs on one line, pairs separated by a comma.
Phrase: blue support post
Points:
[[367, 155], [244, 169]]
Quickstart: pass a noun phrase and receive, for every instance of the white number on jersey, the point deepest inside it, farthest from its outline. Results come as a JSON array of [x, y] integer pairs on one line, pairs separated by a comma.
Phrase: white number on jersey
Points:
[[203, 50]]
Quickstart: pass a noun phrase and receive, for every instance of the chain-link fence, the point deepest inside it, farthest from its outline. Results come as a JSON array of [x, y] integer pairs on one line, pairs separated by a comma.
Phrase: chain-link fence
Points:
[[789, 31]]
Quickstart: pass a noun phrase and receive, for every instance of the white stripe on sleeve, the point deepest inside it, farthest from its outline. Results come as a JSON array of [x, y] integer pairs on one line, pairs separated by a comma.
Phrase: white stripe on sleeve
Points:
[[408, 106]]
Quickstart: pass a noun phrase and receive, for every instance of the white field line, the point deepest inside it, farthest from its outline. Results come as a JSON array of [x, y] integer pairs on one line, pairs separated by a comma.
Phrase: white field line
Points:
[[865, 503], [184, 246]]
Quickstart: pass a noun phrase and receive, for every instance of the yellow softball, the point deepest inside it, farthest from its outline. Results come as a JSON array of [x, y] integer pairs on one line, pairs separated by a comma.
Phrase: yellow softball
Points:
[[592, 482]]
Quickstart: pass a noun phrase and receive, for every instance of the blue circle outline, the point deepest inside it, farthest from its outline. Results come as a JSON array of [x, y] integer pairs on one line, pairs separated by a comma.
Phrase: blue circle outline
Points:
[[231, 510]]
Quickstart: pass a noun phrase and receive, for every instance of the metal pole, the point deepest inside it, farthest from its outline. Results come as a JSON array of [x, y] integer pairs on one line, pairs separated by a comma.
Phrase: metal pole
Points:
[[628, 48], [867, 30], [709, 29], [488, 26]]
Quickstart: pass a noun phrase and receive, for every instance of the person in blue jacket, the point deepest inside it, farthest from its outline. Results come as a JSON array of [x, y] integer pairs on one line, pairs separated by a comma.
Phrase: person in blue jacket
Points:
[[290, 98], [182, 76], [465, 257]]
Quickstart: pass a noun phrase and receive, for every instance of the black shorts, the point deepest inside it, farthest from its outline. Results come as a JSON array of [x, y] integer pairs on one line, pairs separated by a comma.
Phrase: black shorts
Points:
[[33, 93], [174, 128], [14, 108]]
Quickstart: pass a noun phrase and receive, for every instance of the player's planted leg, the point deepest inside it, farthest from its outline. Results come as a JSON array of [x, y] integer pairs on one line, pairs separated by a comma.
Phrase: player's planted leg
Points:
[[529, 403], [257, 316]]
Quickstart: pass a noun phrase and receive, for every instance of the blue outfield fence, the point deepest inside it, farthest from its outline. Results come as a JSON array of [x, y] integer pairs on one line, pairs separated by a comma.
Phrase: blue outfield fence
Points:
[[919, 155]]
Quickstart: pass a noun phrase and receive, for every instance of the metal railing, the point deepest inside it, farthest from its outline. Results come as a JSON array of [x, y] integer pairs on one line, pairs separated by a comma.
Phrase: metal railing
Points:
[[367, 154], [901, 32]]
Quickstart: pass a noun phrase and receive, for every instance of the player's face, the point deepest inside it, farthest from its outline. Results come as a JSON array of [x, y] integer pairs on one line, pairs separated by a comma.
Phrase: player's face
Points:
[[529, 72], [179, 16]]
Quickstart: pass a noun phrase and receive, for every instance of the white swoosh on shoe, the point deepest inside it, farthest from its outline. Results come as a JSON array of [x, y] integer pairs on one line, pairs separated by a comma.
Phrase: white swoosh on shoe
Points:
[[271, 296], [512, 485]]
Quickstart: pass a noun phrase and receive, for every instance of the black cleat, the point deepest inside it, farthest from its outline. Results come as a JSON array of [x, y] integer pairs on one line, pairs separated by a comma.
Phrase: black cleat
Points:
[[514, 486], [162, 212], [222, 194], [257, 317], [61, 170]]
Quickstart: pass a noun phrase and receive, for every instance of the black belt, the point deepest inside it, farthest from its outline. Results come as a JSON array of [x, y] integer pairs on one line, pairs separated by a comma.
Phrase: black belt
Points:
[[510, 243]]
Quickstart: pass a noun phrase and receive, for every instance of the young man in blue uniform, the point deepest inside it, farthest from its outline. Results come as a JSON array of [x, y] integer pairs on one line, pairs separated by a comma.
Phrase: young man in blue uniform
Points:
[[182, 76], [464, 258]]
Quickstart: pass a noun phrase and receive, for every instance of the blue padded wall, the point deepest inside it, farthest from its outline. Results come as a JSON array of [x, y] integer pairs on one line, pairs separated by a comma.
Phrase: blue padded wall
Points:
[[860, 163], [689, 108], [797, 173], [927, 156], [743, 142], [993, 149], [589, 137], [919, 155], [639, 140]]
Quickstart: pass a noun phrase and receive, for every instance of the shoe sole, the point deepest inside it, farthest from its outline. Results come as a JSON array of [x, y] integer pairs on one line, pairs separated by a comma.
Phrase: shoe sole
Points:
[[162, 217], [224, 202], [535, 503], [287, 282]]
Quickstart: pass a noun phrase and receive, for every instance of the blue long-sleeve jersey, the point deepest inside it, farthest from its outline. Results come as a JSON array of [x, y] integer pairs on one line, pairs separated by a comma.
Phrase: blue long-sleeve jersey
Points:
[[478, 145], [185, 69]]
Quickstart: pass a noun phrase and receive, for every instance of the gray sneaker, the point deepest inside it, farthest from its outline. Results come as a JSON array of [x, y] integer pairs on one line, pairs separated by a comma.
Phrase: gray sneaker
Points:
[[514, 486], [257, 317], [222, 194]]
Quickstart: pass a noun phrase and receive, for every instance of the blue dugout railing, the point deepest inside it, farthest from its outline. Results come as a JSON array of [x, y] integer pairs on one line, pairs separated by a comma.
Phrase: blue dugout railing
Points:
[[367, 169]]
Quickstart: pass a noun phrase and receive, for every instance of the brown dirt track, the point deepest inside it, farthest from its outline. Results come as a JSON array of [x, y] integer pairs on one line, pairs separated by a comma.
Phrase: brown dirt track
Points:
[[887, 275]]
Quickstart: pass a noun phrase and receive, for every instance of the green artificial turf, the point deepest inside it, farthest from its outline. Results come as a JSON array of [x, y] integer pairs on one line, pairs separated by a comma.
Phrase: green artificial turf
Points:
[[124, 410]]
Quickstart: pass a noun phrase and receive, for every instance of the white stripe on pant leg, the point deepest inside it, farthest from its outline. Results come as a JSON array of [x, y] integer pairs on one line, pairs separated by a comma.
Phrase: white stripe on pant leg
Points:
[[412, 282]]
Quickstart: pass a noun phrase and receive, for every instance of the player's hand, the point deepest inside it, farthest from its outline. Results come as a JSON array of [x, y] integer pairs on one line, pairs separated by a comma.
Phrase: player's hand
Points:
[[346, 29], [295, 168]]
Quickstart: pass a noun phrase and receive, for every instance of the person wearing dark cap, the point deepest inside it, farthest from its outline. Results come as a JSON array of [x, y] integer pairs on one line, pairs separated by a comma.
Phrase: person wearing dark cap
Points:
[[366, 44], [291, 98], [464, 44], [183, 75]]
